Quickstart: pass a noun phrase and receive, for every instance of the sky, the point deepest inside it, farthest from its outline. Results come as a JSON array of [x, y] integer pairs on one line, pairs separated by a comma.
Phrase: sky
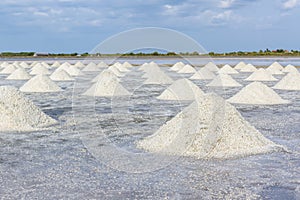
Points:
[[68, 26]]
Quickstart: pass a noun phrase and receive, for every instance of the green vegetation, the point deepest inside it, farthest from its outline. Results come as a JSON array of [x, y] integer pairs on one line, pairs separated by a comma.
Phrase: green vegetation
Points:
[[267, 52], [21, 54]]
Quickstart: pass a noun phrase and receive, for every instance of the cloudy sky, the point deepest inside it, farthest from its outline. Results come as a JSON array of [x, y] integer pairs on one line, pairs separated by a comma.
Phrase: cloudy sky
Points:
[[79, 25]]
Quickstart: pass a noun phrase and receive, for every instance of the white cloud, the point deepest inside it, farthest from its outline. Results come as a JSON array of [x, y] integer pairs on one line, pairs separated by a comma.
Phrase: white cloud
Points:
[[289, 4], [226, 3]]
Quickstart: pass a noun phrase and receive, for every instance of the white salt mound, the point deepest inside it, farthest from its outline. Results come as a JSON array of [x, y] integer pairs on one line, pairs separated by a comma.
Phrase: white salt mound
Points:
[[274, 71], [20, 114], [91, 67], [257, 93], [212, 67], [276, 65], [40, 83], [72, 70], [39, 69], [157, 77], [210, 128], [240, 65], [177, 66], [19, 74], [181, 90], [79, 65], [8, 69], [61, 75], [248, 68], [187, 69], [107, 87], [290, 82], [290, 69], [203, 74], [122, 68], [102, 65], [224, 80], [55, 64], [227, 69], [105, 74], [261, 75], [24, 65], [116, 71], [127, 65]]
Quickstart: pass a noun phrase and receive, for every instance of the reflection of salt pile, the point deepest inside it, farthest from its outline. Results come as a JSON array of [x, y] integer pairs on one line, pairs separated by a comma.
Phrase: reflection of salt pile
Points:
[[212, 67], [261, 75], [240, 65], [223, 80], [39, 69], [107, 86], [19, 114], [290, 69], [203, 74], [182, 89], [227, 69], [91, 67], [61, 75], [187, 69], [105, 74], [208, 128], [19, 74], [8, 69], [248, 68], [257, 93], [40, 83], [177, 66], [290, 82], [155, 75]]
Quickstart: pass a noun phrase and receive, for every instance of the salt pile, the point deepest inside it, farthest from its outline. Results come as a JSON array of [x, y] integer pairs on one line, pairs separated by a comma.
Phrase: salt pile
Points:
[[223, 80], [290, 69], [107, 87], [8, 69], [177, 66], [61, 75], [187, 69], [19, 74], [45, 64], [79, 65], [248, 68], [156, 76], [72, 70], [55, 64], [257, 93], [210, 128], [240, 65], [39, 69], [143, 66], [116, 71], [276, 65], [261, 75], [212, 67], [20, 114], [127, 65], [40, 83], [121, 68], [227, 69], [91, 67], [290, 82], [181, 90], [4, 64], [274, 71], [102, 65], [105, 74], [24, 65], [203, 74]]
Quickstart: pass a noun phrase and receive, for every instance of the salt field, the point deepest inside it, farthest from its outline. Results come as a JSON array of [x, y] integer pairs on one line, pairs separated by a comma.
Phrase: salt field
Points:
[[150, 129]]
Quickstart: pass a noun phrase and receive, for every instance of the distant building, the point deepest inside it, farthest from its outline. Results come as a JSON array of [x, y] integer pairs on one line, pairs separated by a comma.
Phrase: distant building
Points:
[[40, 54]]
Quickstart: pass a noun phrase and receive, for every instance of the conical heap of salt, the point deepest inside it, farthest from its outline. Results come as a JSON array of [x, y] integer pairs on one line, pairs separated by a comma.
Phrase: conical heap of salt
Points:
[[248, 68], [39, 69], [155, 75], [24, 65], [102, 65], [121, 68], [290, 69], [91, 67], [261, 75], [290, 82], [181, 90], [19, 74], [61, 75], [64, 66], [212, 67], [223, 80], [4, 64], [274, 71], [17, 113], [55, 64], [240, 65], [73, 71], [79, 65], [127, 65], [210, 128], [107, 87], [203, 74], [187, 69], [116, 71], [45, 64], [105, 74], [143, 66], [276, 65], [40, 83], [8, 69], [257, 93], [227, 69], [177, 66]]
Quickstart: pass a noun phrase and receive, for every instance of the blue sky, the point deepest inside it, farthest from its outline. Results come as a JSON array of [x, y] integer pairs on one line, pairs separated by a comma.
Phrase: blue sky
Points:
[[79, 25]]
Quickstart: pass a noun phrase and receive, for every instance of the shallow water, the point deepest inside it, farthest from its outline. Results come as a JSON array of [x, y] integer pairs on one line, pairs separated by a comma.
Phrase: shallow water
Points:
[[91, 154]]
